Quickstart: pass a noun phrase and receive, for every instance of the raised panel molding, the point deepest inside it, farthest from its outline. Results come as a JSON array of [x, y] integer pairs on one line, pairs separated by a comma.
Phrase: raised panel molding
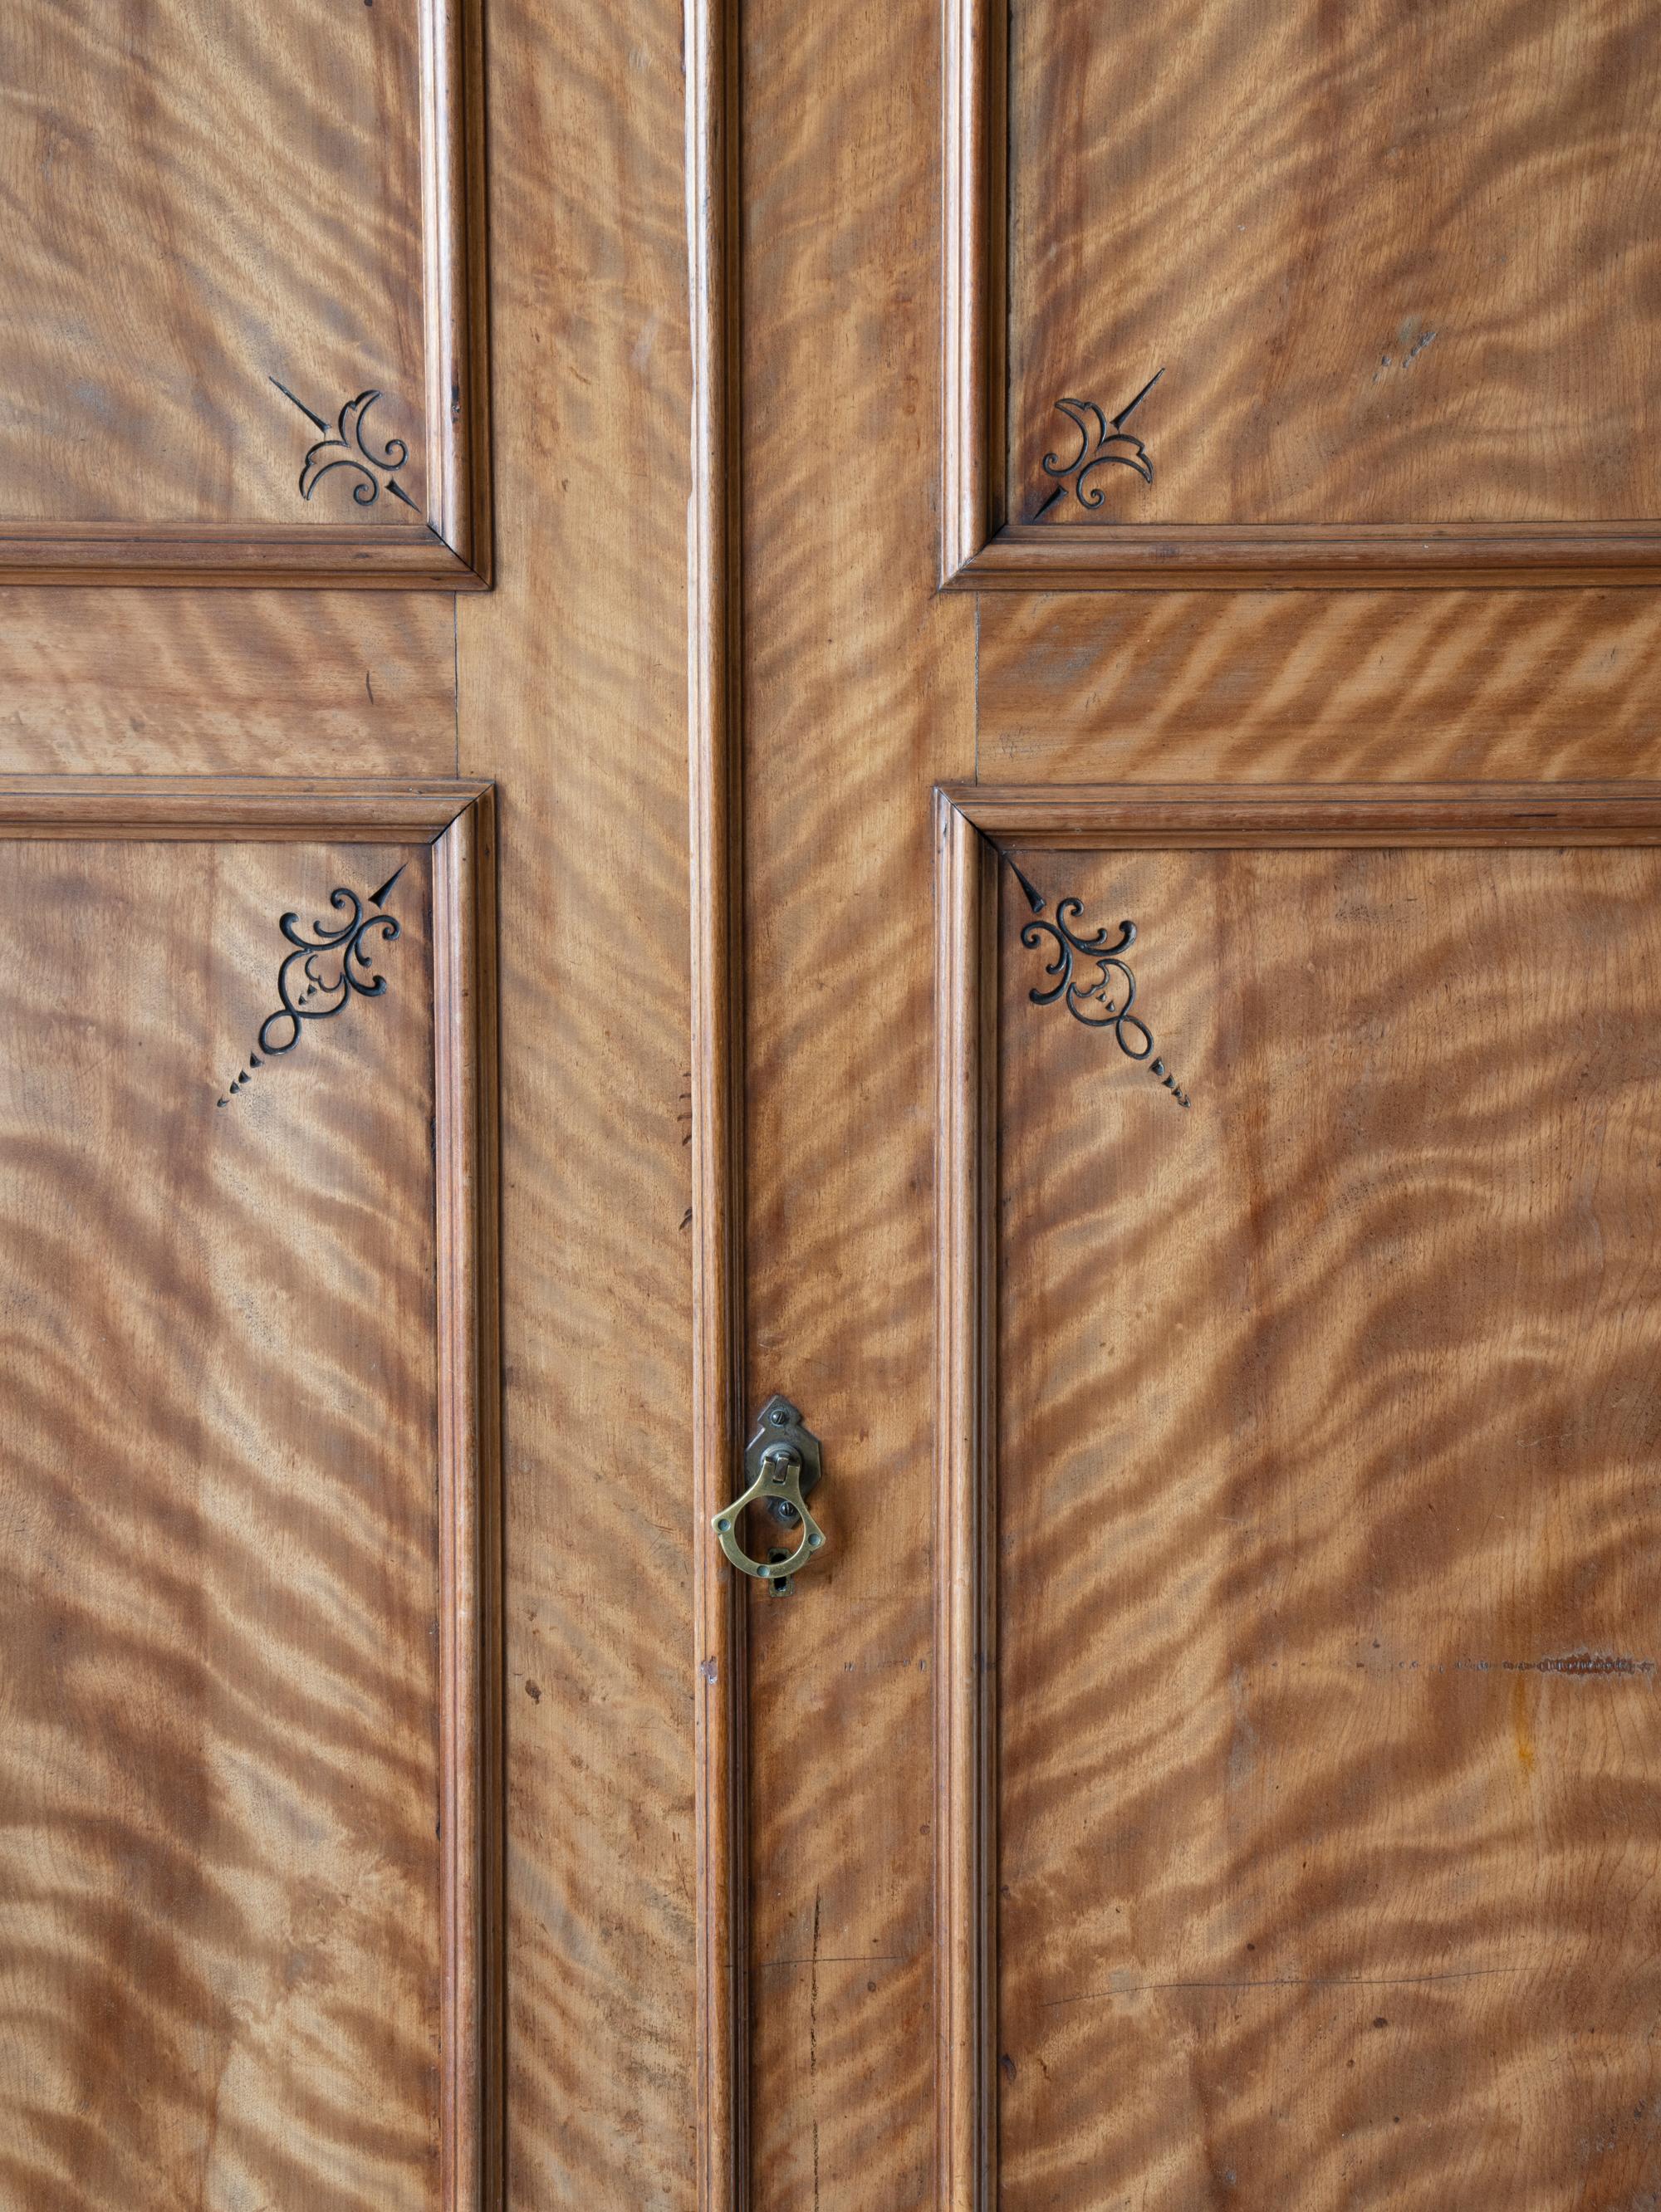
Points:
[[285, 1578], [975, 826], [253, 354], [1025, 505]]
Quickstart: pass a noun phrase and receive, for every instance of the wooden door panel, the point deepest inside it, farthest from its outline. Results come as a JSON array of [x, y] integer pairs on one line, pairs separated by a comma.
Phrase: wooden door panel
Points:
[[1315, 1490], [1272, 687], [1283, 1377], [249, 1507], [1238, 294], [238, 336], [1358, 244]]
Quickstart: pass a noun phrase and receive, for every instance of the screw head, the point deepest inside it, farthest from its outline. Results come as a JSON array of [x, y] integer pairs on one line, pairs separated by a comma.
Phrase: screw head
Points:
[[814, 1541], [781, 1416], [723, 1526]]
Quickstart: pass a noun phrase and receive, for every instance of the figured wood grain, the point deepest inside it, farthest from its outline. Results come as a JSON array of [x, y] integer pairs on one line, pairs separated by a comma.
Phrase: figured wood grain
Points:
[[467, 1320], [966, 1468], [1293, 556], [192, 683], [715, 1088], [1288, 686], [1329, 1731], [1397, 265], [1395, 271], [573, 697], [1180, 816], [856, 698], [252, 1890], [158, 295], [974, 318], [280, 557], [249, 809]]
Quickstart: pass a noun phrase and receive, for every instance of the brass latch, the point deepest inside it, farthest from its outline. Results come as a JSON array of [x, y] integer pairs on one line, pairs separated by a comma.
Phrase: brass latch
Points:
[[784, 1463]]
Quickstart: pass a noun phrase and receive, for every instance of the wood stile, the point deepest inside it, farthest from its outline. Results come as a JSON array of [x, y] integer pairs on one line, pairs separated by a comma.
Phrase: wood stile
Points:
[[455, 252], [572, 697], [858, 699], [974, 325]]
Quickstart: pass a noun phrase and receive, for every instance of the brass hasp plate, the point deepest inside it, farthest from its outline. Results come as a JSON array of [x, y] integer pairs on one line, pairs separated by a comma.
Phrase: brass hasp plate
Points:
[[782, 1462]]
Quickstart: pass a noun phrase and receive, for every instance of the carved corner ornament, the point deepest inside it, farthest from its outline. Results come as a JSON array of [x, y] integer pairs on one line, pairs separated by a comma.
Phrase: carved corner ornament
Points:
[[1104, 1004], [1103, 442], [346, 446], [331, 964]]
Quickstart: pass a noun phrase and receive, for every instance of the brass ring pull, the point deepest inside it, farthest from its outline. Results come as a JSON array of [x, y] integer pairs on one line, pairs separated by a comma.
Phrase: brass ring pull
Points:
[[783, 1460]]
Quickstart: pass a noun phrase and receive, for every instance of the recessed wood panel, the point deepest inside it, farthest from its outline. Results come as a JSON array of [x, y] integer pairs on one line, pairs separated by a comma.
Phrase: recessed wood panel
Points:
[[235, 318], [240, 1673], [1318, 1564], [1396, 264], [1244, 292], [1328, 1694]]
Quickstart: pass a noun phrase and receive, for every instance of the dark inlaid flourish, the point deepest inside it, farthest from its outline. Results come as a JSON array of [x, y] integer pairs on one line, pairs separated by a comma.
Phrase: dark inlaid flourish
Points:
[[346, 446], [327, 968], [1104, 1003], [1103, 442]]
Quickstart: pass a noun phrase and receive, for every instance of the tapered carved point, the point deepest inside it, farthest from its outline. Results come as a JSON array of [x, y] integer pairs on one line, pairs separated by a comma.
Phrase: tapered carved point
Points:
[[1033, 899]]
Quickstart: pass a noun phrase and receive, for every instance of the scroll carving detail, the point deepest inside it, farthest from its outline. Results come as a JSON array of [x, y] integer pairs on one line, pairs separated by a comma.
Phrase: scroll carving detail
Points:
[[1103, 442], [331, 964], [1104, 1003], [347, 448]]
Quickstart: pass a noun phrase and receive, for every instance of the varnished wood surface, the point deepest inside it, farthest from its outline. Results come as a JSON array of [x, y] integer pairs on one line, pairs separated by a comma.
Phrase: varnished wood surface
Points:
[[965, 1482], [1191, 179], [1288, 686], [716, 1087], [220, 1749], [183, 683], [1329, 1738], [1174, 815], [245, 809], [856, 697], [466, 1145], [158, 294], [574, 687], [155, 287], [852, 689], [1397, 265], [1046, 556]]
